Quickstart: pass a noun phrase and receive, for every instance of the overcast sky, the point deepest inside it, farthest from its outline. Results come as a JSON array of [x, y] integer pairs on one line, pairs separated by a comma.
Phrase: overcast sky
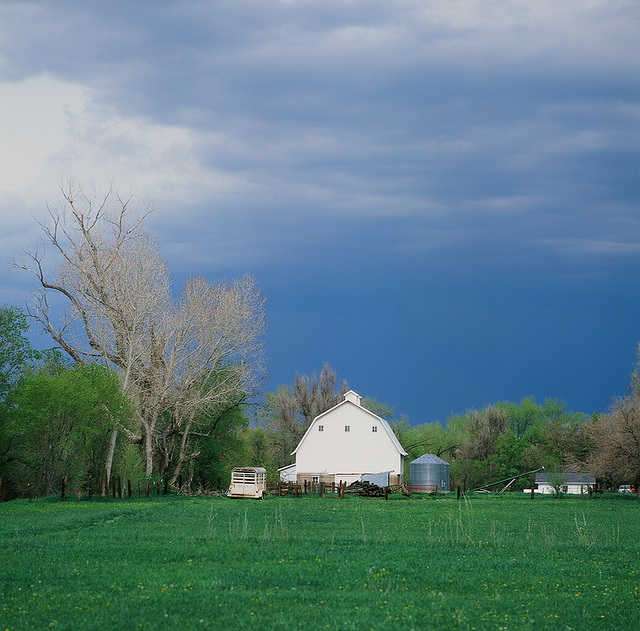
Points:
[[439, 198]]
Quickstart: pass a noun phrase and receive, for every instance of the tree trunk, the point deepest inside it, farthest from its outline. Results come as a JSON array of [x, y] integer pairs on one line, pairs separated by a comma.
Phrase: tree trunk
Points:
[[112, 448], [182, 456], [148, 447]]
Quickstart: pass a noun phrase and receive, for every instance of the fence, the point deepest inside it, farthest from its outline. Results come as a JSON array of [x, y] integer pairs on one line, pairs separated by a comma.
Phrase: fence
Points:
[[313, 488], [115, 487], [308, 487], [424, 488], [332, 488]]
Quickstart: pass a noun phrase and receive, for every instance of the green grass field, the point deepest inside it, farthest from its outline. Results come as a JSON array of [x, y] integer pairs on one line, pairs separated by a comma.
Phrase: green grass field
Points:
[[487, 562]]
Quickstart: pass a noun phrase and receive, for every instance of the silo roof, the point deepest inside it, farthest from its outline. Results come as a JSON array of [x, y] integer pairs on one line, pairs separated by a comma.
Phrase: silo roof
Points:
[[429, 459]]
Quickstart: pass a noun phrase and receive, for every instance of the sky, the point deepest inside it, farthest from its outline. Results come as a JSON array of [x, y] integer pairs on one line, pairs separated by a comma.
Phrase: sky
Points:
[[438, 198]]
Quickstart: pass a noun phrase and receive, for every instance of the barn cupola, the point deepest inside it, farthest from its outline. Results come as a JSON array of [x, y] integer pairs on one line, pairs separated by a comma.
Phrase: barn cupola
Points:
[[352, 397]]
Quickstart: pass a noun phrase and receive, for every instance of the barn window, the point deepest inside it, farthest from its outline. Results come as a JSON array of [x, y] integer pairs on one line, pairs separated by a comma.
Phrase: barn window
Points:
[[374, 428], [347, 428], [321, 428]]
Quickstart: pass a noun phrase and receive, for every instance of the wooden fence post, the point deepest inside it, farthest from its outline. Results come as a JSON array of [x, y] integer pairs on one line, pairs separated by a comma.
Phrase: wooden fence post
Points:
[[90, 488], [147, 487]]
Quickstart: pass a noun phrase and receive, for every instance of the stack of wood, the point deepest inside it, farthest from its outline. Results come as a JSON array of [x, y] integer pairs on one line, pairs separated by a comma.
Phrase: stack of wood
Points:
[[366, 489]]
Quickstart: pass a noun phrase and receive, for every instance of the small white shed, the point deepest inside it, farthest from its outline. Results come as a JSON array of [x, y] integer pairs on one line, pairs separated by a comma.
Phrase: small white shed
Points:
[[288, 473], [572, 483]]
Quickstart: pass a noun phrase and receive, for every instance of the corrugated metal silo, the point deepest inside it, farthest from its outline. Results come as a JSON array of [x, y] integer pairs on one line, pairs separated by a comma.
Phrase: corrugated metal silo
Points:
[[429, 473]]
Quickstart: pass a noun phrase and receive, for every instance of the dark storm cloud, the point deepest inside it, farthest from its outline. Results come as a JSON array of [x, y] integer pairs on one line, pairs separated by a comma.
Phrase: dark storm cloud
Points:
[[419, 183]]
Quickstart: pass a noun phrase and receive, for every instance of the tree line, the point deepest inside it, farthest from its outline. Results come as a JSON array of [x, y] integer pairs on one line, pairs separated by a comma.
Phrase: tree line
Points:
[[57, 419], [157, 384]]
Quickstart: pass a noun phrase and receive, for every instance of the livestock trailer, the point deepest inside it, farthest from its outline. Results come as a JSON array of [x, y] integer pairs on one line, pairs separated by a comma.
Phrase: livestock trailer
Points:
[[248, 482]]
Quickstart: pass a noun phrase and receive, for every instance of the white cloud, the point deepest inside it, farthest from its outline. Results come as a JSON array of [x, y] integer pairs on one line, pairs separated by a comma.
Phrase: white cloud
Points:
[[54, 130], [33, 123]]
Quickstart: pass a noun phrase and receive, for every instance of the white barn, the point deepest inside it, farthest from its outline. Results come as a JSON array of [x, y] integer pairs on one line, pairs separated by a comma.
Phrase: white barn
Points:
[[347, 443]]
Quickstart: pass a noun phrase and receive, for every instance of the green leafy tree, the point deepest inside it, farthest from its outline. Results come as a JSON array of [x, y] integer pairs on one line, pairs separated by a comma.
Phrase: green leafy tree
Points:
[[525, 418], [513, 456], [379, 408], [507, 439], [426, 438], [59, 424], [470, 473], [16, 353], [556, 434], [235, 444], [15, 349]]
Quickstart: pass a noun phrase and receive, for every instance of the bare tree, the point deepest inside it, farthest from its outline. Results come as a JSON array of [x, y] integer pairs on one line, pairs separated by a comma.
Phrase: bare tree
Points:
[[176, 357], [292, 409], [484, 428], [216, 356], [615, 458], [616, 435]]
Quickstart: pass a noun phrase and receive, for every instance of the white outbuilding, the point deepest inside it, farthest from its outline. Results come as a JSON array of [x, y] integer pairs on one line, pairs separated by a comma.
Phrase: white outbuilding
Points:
[[346, 443], [288, 473], [572, 483]]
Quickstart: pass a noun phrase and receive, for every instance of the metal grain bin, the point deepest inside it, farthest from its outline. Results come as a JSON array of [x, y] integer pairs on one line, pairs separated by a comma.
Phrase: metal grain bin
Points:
[[429, 473]]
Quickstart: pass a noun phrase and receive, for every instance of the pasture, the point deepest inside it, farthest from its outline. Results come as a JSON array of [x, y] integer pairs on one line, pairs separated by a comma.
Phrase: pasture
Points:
[[484, 562]]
